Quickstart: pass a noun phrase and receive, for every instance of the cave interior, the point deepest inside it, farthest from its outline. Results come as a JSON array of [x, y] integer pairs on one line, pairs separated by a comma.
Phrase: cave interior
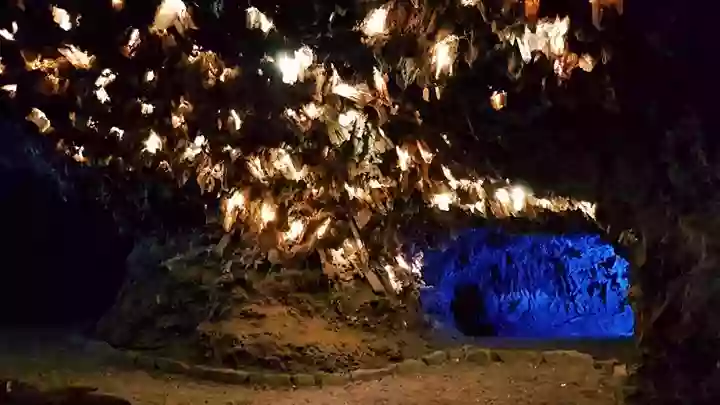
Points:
[[490, 282], [487, 282]]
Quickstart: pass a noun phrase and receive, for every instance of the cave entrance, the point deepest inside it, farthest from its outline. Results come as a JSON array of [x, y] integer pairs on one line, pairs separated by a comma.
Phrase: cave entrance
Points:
[[63, 256], [489, 282]]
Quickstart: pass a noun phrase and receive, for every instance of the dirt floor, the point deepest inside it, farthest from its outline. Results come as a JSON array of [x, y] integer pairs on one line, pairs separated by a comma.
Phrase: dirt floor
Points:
[[73, 362], [281, 338], [496, 384]]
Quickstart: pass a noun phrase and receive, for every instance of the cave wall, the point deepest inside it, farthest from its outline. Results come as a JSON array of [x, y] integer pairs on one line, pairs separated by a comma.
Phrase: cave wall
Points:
[[534, 285]]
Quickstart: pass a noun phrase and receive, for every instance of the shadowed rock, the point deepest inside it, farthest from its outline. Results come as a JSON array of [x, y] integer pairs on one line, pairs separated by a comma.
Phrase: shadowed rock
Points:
[[14, 392], [468, 308]]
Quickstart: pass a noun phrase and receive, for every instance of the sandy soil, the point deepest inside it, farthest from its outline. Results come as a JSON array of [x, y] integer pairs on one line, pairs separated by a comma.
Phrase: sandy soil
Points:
[[500, 384]]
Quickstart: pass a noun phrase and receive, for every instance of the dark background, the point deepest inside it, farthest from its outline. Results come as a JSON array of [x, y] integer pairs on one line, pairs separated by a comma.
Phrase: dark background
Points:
[[61, 253]]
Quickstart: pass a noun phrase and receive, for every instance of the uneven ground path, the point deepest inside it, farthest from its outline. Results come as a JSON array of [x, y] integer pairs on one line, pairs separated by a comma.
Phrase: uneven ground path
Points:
[[498, 384]]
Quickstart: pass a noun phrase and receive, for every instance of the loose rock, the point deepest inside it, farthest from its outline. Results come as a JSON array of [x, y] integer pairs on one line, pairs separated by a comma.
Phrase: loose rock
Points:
[[458, 353], [303, 380], [479, 356], [222, 375], [327, 379], [435, 358], [410, 366], [277, 380], [371, 374], [518, 356], [171, 366]]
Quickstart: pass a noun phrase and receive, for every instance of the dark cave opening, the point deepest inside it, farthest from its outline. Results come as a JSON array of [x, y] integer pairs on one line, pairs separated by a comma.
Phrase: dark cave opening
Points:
[[491, 283], [64, 258]]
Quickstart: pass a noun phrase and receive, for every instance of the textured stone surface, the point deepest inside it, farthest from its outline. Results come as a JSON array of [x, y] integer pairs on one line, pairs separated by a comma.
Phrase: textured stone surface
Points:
[[371, 374], [620, 371], [145, 362], [221, 375], [623, 392], [277, 380], [458, 353], [123, 358], [478, 302], [256, 378], [171, 366], [303, 380], [479, 356], [561, 358], [435, 358], [326, 379], [518, 356], [606, 366], [410, 366]]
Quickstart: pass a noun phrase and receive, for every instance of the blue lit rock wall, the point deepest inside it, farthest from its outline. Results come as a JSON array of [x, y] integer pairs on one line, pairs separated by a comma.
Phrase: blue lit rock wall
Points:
[[526, 282]]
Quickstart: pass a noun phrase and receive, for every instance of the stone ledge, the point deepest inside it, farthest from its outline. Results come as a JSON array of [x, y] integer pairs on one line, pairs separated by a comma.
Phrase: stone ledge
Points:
[[469, 354], [372, 374]]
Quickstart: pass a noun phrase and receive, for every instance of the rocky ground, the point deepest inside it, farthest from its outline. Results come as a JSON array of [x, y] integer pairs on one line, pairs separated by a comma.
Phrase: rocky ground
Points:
[[53, 361], [204, 308]]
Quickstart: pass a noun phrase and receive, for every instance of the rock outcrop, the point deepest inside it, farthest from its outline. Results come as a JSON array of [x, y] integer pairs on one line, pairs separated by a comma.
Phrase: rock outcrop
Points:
[[208, 307]]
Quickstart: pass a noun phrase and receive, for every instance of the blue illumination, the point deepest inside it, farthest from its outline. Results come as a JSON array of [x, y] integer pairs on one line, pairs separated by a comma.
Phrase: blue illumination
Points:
[[524, 281]]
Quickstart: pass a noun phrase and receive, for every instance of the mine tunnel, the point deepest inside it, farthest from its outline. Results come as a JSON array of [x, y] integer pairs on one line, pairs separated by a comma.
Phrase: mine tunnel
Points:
[[490, 282]]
